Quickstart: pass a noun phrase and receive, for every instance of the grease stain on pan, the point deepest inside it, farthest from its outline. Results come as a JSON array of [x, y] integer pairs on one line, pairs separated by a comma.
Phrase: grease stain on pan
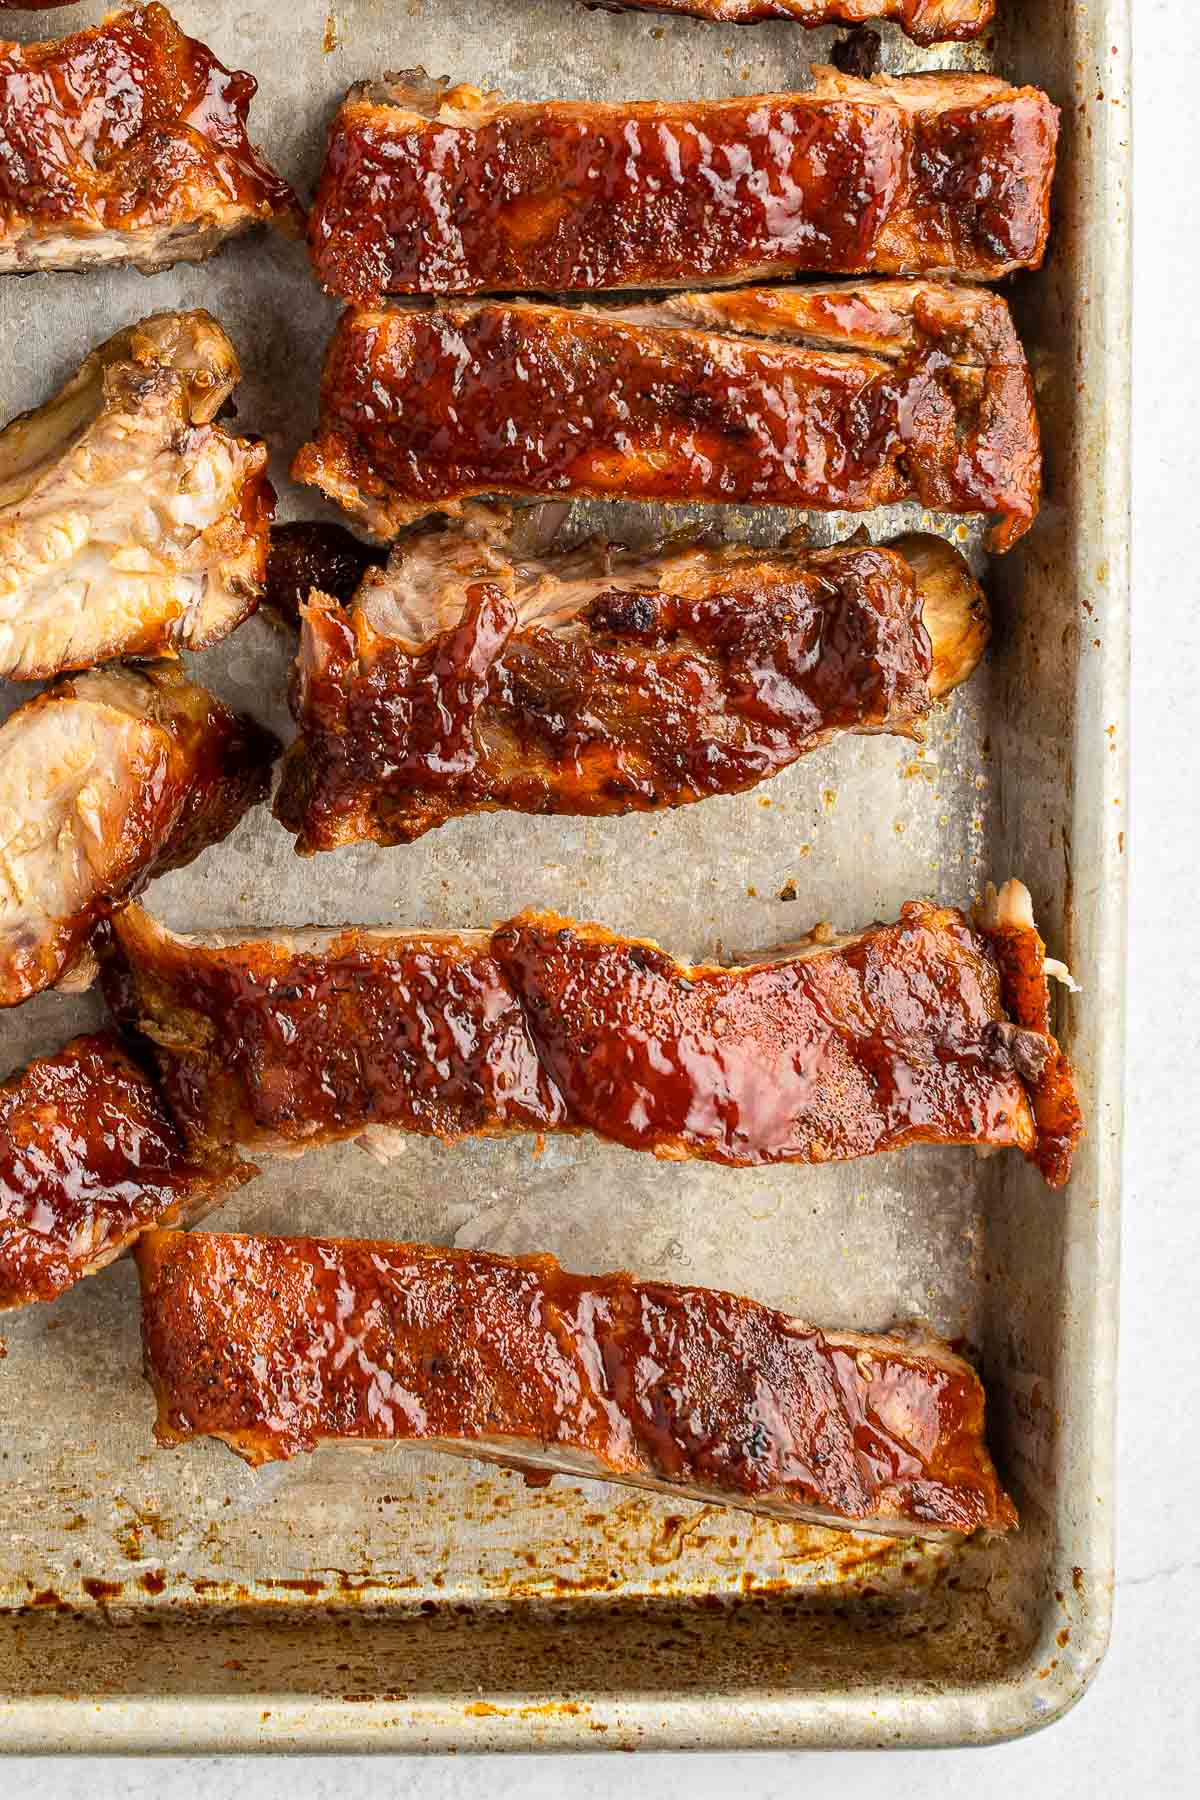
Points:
[[705, 1552]]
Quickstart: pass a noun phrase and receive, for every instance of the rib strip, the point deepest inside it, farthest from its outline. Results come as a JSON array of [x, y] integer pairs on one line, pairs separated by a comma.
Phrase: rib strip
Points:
[[434, 189], [830, 397], [467, 679], [833, 1049], [279, 1344]]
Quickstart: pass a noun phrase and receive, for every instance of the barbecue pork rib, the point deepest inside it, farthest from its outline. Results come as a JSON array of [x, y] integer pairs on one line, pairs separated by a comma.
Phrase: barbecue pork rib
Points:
[[131, 523], [839, 397], [431, 189], [277, 1345], [597, 681], [127, 143], [107, 780], [88, 1159], [925, 21], [831, 1050]]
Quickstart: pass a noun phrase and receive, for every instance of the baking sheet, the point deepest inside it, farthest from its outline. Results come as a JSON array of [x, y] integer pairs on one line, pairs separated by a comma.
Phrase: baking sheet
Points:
[[394, 1599]]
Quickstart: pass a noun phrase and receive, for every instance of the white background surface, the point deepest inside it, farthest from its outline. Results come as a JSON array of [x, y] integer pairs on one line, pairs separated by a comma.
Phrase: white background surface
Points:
[[1138, 1730]]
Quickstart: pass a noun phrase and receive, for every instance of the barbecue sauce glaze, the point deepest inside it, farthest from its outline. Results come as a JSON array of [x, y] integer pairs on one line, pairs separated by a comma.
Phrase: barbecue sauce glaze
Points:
[[925, 21], [89, 1157], [112, 126], [423, 408]]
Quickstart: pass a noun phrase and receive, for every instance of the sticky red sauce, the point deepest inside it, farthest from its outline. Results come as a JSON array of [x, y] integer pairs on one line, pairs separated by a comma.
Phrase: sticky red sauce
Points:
[[926, 21], [865, 1048], [1020, 953], [88, 1158], [545, 1025]]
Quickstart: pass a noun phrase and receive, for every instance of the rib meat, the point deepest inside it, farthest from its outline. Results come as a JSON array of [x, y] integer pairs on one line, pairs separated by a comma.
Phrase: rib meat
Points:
[[925, 21], [131, 523], [434, 189], [106, 780], [127, 143], [277, 1345], [832, 1050], [838, 397], [88, 1160], [465, 679]]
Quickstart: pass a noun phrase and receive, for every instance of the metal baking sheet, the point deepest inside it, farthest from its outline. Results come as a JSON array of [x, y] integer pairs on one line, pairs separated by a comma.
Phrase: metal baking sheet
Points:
[[158, 1600]]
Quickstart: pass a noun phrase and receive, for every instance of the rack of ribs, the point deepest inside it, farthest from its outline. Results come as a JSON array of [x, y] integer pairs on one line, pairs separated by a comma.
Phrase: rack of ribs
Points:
[[914, 1032], [88, 1159], [925, 21], [840, 397], [126, 142], [432, 189], [278, 1345], [107, 780], [598, 681], [132, 523]]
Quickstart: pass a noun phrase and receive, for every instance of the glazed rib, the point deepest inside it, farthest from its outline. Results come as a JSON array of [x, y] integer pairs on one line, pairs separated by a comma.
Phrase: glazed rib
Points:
[[842, 397], [131, 523], [107, 780], [835, 1049], [277, 1345], [433, 189], [127, 143], [925, 21], [465, 679], [88, 1160]]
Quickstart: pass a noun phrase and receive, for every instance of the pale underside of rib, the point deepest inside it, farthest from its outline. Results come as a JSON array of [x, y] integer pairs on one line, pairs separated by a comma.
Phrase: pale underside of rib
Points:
[[120, 506]]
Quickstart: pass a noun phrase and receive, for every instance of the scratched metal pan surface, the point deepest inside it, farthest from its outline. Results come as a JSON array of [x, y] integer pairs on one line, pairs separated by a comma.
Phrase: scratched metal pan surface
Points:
[[160, 1600]]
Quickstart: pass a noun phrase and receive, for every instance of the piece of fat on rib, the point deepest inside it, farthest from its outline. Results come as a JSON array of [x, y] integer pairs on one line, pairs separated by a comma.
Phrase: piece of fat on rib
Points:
[[107, 779], [132, 523]]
